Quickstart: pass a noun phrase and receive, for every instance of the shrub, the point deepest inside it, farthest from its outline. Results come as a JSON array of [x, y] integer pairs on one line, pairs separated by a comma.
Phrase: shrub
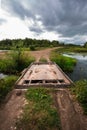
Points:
[[15, 62], [6, 85], [80, 90], [66, 63], [32, 48]]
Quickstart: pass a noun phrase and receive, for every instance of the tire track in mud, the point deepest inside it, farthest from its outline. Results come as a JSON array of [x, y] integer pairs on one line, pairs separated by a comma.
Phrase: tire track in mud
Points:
[[70, 119], [11, 111]]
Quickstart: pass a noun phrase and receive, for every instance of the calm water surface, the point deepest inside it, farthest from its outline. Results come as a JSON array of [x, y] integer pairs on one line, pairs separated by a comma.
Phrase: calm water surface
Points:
[[80, 71]]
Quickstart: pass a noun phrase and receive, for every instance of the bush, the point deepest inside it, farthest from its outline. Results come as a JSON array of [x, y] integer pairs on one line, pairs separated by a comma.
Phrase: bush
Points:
[[7, 66], [80, 90], [22, 60], [65, 63], [6, 85], [32, 48], [15, 62]]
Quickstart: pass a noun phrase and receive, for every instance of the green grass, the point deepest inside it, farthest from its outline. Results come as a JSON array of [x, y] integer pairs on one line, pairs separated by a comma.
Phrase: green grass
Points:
[[6, 85], [66, 63], [40, 112], [80, 90], [43, 60], [15, 62], [71, 49]]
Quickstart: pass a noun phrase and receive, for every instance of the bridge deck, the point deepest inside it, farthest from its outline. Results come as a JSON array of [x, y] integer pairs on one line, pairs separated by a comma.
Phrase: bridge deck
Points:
[[46, 74]]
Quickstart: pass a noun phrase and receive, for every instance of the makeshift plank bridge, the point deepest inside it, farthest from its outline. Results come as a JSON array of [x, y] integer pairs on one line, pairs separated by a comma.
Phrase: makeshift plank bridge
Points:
[[43, 74]]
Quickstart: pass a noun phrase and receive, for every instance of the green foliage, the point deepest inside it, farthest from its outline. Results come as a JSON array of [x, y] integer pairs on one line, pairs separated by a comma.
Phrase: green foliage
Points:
[[38, 95], [67, 48], [43, 60], [66, 63], [15, 62], [27, 43], [85, 45], [6, 85], [33, 44], [40, 112], [80, 90], [32, 48], [7, 66]]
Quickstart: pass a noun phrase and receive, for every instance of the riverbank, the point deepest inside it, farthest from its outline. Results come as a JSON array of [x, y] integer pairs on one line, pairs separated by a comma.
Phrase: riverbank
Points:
[[67, 64]]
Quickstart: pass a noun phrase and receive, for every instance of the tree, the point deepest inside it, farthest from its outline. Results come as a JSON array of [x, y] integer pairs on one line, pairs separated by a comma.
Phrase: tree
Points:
[[85, 45]]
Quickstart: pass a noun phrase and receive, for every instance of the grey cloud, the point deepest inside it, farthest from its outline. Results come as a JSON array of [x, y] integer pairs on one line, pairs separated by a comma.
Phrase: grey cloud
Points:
[[63, 16], [67, 17], [36, 30], [72, 17], [16, 8]]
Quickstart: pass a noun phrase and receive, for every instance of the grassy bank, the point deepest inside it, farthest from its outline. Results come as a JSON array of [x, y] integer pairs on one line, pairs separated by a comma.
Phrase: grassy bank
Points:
[[72, 49], [6, 85], [66, 63], [40, 112], [80, 91], [15, 62]]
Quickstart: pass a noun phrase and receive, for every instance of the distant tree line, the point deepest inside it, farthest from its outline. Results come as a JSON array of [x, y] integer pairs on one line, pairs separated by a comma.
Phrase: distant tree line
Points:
[[32, 44], [85, 45], [27, 43]]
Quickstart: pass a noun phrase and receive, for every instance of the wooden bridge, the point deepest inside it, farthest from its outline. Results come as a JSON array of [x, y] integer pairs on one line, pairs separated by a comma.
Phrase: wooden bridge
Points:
[[43, 74]]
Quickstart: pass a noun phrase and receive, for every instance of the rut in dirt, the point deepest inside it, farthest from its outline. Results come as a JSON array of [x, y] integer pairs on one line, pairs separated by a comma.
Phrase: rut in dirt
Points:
[[70, 119], [11, 110]]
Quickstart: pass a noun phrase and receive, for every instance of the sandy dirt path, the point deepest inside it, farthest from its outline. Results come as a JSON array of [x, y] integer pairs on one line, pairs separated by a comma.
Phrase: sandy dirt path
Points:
[[43, 54], [11, 111]]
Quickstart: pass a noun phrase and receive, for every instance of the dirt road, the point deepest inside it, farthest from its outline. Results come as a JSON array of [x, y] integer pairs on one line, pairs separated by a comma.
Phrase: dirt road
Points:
[[42, 54], [11, 110]]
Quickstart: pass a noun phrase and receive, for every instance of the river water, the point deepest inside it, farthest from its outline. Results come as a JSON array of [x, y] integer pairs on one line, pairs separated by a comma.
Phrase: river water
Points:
[[80, 70]]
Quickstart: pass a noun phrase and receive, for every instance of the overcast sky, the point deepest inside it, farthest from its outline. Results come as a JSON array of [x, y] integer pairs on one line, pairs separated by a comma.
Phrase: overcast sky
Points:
[[63, 20]]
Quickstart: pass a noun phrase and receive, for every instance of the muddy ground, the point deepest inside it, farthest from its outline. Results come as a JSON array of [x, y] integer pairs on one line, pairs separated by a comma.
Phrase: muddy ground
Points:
[[11, 110], [71, 114]]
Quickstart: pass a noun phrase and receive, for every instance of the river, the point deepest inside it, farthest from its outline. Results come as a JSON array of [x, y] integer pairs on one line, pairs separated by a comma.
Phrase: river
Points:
[[80, 70]]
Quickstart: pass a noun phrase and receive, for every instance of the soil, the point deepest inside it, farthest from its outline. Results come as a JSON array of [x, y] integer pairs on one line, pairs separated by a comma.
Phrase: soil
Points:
[[43, 54], [71, 114], [11, 110]]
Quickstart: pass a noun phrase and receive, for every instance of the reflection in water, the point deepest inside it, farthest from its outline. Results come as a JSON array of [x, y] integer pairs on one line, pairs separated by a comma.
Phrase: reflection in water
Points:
[[80, 71], [77, 56]]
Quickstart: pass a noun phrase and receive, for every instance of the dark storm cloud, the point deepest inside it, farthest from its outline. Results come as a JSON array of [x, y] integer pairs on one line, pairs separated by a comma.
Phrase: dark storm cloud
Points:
[[36, 30], [67, 17], [16, 8]]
